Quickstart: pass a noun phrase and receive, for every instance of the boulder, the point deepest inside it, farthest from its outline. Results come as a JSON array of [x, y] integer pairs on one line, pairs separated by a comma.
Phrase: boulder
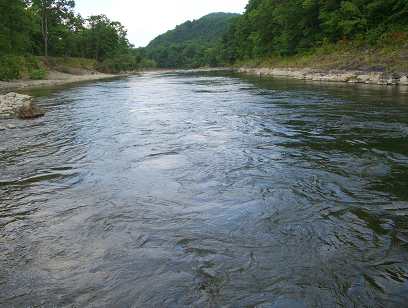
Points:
[[19, 106], [29, 110], [404, 81]]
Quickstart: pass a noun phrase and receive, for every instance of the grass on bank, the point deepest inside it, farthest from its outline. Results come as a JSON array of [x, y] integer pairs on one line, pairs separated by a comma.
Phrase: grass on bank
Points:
[[14, 67], [69, 65], [36, 68], [390, 54], [21, 67]]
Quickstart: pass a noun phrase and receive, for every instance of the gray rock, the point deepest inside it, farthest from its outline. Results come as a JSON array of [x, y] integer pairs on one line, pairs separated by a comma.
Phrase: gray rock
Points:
[[29, 111], [368, 77], [404, 80], [11, 126], [20, 106]]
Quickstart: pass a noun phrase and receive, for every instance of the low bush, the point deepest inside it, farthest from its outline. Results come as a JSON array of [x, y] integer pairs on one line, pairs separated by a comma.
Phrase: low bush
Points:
[[38, 74], [117, 64], [16, 67], [125, 63], [147, 64], [11, 67], [64, 63]]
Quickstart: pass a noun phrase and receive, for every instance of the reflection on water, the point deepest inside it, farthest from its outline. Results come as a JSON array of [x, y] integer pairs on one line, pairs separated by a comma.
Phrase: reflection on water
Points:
[[169, 190]]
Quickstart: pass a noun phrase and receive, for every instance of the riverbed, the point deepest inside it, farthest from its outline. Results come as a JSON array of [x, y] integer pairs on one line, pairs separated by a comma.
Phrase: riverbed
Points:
[[206, 190]]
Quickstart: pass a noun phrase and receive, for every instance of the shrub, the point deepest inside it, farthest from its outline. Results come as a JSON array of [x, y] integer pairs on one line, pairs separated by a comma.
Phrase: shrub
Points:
[[16, 67], [32, 62], [117, 64], [38, 74], [147, 63], [11, 67]]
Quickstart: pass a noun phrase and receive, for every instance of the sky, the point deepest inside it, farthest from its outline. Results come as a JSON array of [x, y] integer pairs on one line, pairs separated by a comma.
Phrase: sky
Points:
[[145, 19]]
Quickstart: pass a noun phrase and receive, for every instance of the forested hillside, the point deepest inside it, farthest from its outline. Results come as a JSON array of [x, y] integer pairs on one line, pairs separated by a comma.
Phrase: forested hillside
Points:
[[274, 28], [192, 44], [51, 28], [345, 34]]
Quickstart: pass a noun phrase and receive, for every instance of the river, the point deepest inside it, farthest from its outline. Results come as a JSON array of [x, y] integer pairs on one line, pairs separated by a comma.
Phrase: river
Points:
[[207, 190]]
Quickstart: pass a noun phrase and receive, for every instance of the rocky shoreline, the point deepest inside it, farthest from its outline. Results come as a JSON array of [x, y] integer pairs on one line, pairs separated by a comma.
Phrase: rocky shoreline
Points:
[[54, 79], [354, 77]]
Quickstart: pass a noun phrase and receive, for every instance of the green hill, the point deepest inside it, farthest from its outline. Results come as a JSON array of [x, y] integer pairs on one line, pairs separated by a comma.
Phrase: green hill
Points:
[[191, 44], [208, 29], [339, 34]]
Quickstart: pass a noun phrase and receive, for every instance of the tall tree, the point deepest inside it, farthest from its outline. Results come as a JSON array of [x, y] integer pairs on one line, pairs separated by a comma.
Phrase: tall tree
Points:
[[14, 27], [52, 13], [105, 37]]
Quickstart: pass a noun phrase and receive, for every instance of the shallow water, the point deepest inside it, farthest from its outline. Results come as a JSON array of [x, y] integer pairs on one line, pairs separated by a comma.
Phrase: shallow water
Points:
[[207, 190]]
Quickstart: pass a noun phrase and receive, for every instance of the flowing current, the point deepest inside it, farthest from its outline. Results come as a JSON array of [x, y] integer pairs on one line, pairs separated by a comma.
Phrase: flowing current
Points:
[[206, 190]]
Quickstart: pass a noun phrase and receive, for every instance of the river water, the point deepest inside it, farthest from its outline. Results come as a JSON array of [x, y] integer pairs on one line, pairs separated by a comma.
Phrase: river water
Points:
[[207, 190]]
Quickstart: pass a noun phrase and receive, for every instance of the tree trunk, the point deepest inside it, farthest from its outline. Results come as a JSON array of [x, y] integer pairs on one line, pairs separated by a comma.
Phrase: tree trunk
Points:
[[46, 37], [44, 28], [97, 49]]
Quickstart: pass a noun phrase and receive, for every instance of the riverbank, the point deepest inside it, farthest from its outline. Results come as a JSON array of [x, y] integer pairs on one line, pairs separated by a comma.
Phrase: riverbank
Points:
[[386, 63], [349, 76], [54, 78]]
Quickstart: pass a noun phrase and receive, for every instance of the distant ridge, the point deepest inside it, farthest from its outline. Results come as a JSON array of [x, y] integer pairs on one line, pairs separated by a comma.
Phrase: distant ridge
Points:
[[209, 28], [192, 44]]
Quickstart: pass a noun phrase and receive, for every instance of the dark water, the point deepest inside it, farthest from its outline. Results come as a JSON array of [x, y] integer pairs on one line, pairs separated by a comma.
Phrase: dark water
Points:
[[178, 190]]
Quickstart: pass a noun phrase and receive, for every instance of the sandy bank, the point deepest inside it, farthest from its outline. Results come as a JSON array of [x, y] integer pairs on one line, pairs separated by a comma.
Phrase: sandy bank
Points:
[[367, 77], [54, 79]]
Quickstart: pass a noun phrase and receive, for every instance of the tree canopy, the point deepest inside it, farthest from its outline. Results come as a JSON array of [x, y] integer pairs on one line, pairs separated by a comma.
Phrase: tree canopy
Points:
[[52, 28], [15, 27], [292, 26]]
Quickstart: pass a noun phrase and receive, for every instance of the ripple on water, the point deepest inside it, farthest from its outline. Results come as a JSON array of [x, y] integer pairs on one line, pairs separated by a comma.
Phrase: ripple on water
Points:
[[205, 190]]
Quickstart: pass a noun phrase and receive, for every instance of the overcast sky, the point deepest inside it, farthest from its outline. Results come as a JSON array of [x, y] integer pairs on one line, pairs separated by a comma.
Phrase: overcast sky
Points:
[[145, 19]]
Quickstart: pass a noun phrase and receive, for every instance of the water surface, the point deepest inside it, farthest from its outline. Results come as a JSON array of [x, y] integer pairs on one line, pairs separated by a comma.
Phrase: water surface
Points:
[[207, 190]]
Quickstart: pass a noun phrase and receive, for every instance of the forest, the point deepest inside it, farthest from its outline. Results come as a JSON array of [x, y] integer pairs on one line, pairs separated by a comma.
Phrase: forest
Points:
[[353, 34], [275, 28], [51, 29], [344, 34], [192, 44]]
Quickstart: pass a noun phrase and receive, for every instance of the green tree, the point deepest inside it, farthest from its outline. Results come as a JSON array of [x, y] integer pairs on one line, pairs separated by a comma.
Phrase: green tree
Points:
[[288, 27], [105, 38], [52, 14], [14, 27]]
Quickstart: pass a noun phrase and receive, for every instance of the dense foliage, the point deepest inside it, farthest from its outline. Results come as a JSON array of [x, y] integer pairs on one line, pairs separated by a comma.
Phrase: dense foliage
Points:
[[294, 26], [14, 27], [51, 28], [277, 28], [268, 28], [193, 43]]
